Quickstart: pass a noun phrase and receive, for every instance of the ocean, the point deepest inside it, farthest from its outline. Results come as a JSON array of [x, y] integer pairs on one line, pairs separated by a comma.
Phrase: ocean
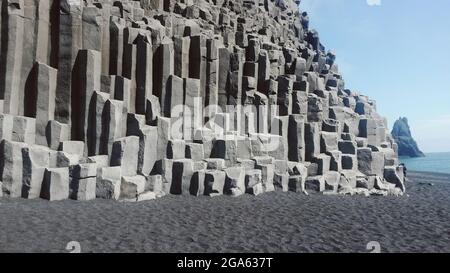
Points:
[[433, 162]]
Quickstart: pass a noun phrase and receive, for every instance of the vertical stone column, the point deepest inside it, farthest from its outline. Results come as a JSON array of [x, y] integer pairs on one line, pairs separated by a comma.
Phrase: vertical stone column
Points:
[[163, 137], [85, 80], [43, 32], [97, 125], [262, 107], [223, 76], [296, 138], [11, 57], [70, 41], [194, 107], [11, 168], [35, 160], [173, 106], [92, 24], [144, 72], [125, 154], [164, 61], [212, 74], [182, 48], [112, 125], [129, 72], [117, 26], [45, 100], [212, 71], [122, 93], [285, 89], [312, 140], [105, 12], [28, 49], [197, 61], [148, 141], [280, 127], [35, 44], [263, 68], [237, 72], [6, 126]]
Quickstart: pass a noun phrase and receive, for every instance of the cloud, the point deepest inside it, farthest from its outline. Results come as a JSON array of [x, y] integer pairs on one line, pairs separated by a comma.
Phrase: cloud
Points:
[[374, 2]]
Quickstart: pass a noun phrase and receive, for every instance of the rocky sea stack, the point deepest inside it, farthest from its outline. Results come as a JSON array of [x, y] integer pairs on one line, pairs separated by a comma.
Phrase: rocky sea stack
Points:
[[407, 146], [133, 100]]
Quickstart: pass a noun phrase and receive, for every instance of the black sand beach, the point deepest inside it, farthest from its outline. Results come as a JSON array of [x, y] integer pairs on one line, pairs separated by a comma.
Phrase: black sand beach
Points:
[[274, 222]]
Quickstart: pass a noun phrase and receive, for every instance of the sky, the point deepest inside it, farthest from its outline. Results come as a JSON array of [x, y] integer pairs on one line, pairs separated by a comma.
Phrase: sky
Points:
[[396, 52]]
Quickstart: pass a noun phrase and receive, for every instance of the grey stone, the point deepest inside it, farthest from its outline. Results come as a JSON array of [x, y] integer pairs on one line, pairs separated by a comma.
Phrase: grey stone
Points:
[[44, 93], [315, 184], [312, 141], [182, 97], [328, 142], [194, 151], [332, 180], [124, 154], [11, 73], [349, 162], [86, 82], [323, 163], [182, 172], [35, 160], [235, 181], [146, 196], [108, 184], [215, 163], [164, 134], [335, 161], [281, 181], [144, 71], [6, 126], [163, 59], [132, 186], [214, 182], [155, 184], [72, 147], [148, 142], [253, 182], [176, 149], [348, 179], [56, 133], [347, 147], [296, 139], [391, 176], [63, 159], [267, 175], [369, 162], [55, 186], [83, 182], [11, 172], [24, 130]]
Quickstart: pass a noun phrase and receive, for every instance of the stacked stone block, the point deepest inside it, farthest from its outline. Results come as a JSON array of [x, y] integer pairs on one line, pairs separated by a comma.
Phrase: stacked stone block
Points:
[[134, 100]]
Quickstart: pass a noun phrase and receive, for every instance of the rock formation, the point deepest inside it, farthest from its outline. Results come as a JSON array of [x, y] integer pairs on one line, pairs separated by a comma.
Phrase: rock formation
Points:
[[407, 146], [133, 100]]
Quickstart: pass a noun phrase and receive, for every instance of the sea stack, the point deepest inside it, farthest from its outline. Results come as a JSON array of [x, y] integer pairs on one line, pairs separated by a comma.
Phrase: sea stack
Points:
[[135, 100], [407, 146]]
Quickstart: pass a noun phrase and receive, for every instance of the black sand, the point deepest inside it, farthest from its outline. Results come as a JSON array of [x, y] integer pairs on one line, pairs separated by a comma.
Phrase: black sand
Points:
[[274, 222]]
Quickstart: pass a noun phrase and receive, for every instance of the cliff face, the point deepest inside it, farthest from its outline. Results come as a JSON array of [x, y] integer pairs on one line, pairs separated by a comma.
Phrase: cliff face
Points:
[[137, 99], [407, 146]]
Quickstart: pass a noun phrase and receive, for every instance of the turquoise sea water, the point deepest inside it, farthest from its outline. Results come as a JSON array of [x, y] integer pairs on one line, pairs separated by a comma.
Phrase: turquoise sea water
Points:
[[433, 162]]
